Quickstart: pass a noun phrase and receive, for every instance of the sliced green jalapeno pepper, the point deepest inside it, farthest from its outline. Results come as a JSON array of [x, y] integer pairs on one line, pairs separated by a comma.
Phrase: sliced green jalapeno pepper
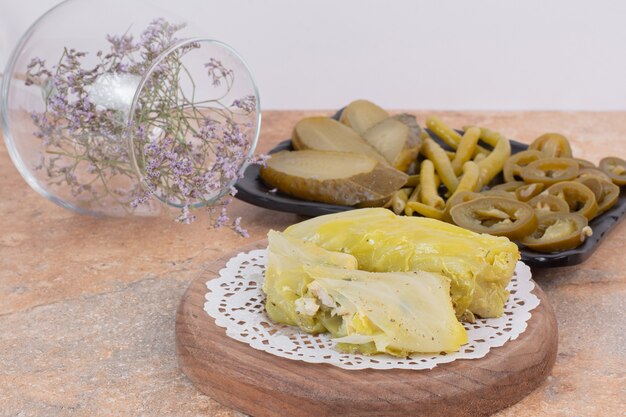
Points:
[[580, 198], [519, 190], [495, 215], [593, 172], [547, 204], [458, 198], [509, 187], [615, 168], [528, 191], [558, 231], [552, 145], [513, 165], [605, 191], [550, 170], [498, 193], [583, 163]]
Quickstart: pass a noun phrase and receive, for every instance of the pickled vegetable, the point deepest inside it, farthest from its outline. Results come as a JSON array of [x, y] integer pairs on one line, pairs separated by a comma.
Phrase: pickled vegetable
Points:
[[615, 168], [479, 157], [325, 134], [362, 115], [428, 186], [332, 177], [579, 198], [455, 199], [412, 198], [471, 163], [550, 170], [436, 154], [495, 215], [557, 232], [514, 165], [411, 121], [552, 145], [498, 193], [605, 191], [486, 135], [394, 141], [425, 210], [466, 149], [583, 163], [508, 187], [412, 181], [547, 204], [416, 133], [471, 177], [462, 197], [489, 136], [449, 136], [494, 162], [528, 191], [593, 172], [399, 200], [610, 195]]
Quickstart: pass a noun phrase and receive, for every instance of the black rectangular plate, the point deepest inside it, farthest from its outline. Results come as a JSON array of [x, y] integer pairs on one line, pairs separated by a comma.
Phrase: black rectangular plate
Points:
[[253, 190]]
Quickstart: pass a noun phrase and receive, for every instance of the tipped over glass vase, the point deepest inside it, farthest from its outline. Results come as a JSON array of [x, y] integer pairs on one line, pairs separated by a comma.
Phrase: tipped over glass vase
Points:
[[118, 108]]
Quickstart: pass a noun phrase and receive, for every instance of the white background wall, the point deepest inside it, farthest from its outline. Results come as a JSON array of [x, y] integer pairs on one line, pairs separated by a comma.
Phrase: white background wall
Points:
[[483, 54]]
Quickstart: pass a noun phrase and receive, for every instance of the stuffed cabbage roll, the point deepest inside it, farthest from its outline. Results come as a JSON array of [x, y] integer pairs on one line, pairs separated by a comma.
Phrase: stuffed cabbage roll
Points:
[[479, 266], [286, 281], [392, 312], [368, 312]]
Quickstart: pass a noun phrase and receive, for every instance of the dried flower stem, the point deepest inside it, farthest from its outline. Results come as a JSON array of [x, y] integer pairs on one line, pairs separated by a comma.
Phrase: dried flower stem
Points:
[[187, 152]]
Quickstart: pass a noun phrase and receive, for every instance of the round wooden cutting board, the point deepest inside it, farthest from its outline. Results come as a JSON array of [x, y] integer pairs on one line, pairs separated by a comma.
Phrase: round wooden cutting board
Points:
[[261, 384]]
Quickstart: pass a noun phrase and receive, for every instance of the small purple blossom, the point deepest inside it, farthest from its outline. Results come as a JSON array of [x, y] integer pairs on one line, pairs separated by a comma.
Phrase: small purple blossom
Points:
[[184, 163], [240, 230], [186, 216], [247, 104], [222, 219], [218, 72], [122, 45]]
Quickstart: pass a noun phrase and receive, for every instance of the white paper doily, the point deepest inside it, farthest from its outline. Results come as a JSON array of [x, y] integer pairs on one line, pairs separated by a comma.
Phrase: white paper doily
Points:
[[236, 302]]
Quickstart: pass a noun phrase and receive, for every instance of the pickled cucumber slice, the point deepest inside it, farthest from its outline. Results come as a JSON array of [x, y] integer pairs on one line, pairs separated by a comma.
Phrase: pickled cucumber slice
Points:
[[362, 115], [396, 141], [332, 177], [325, 134]]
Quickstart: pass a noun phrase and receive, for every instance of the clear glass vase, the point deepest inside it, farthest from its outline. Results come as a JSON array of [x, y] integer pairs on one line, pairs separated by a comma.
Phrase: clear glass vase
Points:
[[119, 108]]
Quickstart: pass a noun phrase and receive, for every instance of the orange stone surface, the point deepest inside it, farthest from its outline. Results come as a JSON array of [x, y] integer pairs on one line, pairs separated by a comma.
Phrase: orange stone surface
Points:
[[87, 305]]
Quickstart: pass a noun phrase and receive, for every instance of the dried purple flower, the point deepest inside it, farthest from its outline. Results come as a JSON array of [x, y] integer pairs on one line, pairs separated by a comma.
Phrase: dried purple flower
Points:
[[240, 230], [247, 104], [85, 143]]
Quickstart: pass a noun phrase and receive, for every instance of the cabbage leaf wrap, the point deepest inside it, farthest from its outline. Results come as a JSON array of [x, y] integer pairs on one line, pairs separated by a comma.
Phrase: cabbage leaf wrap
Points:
[[479, 266]]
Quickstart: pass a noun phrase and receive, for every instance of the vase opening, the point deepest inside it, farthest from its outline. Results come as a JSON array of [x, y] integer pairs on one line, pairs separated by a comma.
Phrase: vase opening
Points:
[[195, 110]]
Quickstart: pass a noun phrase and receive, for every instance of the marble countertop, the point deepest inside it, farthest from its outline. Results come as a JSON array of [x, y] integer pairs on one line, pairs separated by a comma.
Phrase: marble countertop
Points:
[[87, 305]]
